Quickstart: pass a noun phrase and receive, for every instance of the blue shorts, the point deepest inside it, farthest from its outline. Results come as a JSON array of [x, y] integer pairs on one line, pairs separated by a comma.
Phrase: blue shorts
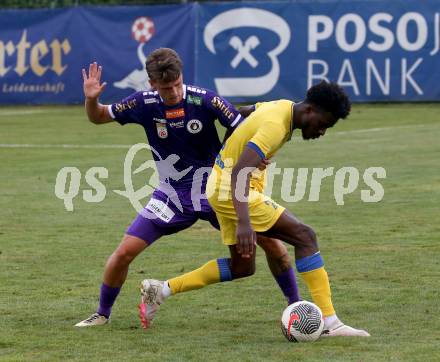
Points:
[[162, 216]]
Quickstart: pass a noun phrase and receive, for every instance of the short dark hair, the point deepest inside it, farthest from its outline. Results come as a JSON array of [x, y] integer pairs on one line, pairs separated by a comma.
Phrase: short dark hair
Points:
[[164, 65], [329, 97]]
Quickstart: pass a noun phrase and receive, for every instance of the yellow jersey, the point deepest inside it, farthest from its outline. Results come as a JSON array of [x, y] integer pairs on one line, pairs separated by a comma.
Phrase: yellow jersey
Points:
[[266, 130]]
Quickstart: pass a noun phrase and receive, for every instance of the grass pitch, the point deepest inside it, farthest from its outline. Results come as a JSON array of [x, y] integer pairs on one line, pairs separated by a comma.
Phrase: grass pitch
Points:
[[382, 258]]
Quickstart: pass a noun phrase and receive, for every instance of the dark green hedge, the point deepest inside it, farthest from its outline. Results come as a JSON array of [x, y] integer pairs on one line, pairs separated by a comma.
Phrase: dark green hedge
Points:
[[65, 3]]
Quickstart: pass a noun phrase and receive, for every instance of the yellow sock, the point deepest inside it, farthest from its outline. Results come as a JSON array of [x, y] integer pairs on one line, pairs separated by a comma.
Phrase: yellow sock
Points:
[[319, 286], [312, 271], [213, 271]]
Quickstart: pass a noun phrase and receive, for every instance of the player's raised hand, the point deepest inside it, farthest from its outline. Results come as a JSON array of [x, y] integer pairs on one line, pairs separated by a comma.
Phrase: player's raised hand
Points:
[[92, 82]]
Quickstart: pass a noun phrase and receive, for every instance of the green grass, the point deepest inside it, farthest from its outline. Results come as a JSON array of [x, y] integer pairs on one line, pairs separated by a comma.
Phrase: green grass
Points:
[[383, 258]]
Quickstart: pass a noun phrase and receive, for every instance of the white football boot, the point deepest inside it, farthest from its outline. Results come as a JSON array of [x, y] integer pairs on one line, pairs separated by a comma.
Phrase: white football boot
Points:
[[94, 320], [339, 329], [151, 299]]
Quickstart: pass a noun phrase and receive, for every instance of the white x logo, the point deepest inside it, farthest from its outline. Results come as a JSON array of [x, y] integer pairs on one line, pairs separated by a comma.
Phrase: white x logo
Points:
[[244, 50]]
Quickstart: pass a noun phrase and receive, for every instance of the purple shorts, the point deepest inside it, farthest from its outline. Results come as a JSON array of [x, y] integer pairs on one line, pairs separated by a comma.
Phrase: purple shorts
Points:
[[165, 215]]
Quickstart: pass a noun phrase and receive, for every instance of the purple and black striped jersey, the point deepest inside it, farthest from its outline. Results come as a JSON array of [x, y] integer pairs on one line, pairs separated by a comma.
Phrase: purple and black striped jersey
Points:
[[186, 129]]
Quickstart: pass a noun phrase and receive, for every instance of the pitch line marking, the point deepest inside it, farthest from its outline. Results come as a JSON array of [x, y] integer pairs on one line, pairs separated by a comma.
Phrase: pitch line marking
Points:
[[366, 130], [72, 146], [27, 145], [20, 112]]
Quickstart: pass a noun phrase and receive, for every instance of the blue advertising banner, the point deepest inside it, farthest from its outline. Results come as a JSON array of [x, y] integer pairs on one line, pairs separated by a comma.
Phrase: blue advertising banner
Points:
[[246, 51], [377, 50], [42, 54]]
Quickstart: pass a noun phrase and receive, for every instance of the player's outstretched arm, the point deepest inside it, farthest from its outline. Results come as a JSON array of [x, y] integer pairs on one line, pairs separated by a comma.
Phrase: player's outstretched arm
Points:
[[97, 112]]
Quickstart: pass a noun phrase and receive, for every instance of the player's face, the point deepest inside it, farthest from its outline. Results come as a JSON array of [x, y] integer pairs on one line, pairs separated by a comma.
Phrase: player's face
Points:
[[170, 92], [316, 123]]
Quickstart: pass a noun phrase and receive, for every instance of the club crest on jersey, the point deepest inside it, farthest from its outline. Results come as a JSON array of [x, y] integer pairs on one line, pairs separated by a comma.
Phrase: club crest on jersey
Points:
[[162, 131], [175, 113], [194, 126]]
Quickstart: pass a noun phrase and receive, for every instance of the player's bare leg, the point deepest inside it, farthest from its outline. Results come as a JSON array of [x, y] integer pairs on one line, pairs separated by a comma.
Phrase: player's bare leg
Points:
[[154, 292], [280, 264], [116, 268], [115, 274], [310, 265]]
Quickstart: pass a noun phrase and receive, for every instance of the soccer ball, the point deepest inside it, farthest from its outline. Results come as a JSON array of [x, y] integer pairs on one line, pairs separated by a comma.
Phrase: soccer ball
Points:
[[302, 322]]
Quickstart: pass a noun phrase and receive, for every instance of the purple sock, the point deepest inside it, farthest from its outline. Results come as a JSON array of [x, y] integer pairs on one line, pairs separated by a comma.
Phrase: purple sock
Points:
[[106, 299], [287, 283]]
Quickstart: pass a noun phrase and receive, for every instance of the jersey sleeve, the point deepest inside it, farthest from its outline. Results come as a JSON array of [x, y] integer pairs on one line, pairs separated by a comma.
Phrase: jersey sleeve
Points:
[[269, 137], [274, 130], [128, 110], [226, 113]]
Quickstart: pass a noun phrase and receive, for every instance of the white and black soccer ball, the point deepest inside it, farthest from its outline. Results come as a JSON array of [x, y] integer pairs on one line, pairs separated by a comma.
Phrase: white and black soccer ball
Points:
[[302, 322], [142, 29]]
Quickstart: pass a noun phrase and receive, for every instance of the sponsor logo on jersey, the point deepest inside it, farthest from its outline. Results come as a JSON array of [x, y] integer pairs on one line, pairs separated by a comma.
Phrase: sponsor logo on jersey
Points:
[[179, 124], [194, 126], [160, 120], [151, 100], [194, 100], [120, 107], [160, 209], [162, 131], [175, 113], [218, 103]]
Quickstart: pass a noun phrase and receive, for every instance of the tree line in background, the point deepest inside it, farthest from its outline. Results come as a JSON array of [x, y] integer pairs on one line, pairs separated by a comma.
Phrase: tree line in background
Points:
[[33, 4]]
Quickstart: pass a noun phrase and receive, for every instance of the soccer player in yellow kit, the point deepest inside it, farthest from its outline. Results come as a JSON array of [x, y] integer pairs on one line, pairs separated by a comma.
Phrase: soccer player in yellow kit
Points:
[[247, 211]]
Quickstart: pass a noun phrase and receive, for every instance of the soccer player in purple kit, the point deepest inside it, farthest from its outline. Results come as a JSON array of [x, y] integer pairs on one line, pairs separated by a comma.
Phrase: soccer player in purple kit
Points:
[[178, 120]]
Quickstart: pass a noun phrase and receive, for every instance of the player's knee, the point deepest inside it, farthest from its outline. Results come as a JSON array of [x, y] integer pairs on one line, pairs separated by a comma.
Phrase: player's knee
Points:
[[122, 257], [307, 236], [276, 250], [284, 262], [269, 245]]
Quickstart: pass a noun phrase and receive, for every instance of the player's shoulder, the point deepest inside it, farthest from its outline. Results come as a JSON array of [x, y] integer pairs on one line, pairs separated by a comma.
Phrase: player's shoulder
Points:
[[149, 97], [196, 90], [195, 96], [205, 97], [139, 98], [135, 103], [275, 103], [209, 99], [276, 106]]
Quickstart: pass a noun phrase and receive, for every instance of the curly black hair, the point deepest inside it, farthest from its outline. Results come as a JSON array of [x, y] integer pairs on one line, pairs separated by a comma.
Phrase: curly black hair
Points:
[[329, 97]]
